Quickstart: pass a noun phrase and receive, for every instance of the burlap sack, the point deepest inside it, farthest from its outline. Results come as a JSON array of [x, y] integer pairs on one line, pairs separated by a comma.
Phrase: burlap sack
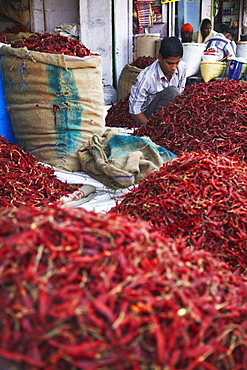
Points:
[[55, 103], [120, 160], [16, 10], [12, 37], [127, 79], [145, 45]]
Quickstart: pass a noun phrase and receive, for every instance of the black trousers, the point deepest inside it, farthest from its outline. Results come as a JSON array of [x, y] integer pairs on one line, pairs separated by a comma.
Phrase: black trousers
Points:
[[162, 99]]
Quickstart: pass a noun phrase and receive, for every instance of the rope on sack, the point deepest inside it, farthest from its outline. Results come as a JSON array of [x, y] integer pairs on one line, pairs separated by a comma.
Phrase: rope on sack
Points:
[[21, 71]]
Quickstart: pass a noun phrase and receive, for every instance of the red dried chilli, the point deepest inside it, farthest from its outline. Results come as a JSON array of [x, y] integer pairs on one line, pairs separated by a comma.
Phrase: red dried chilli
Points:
[[202, 197], [118, 115], [207, 116], [3, 39], [81, 290], [143, 61], [53, 43], [16, 28], [23, 180]]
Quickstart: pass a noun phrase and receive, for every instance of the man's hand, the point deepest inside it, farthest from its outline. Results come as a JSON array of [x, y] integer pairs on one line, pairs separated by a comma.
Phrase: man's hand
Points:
[[140, 118]]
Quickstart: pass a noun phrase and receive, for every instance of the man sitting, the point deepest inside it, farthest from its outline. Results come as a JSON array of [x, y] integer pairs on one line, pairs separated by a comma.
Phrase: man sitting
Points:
[[222, 41], [187, 32], [158, 84]]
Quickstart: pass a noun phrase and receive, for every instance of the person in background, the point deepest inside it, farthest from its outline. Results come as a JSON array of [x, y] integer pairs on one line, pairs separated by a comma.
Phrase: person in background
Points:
[[187, 32], [158, 84], [222, 41], [234, 34], [205, 32]]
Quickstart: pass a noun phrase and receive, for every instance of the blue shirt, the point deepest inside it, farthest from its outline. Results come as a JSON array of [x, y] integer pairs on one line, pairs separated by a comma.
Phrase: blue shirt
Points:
[[150, 82], [222, 44]]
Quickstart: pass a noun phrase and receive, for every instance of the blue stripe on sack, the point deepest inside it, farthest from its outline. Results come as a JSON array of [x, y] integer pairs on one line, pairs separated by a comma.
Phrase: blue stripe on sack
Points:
[[66, 108], [120, 145]]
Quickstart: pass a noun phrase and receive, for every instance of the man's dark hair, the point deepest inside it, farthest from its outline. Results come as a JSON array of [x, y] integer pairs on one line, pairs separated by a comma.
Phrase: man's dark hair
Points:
[[171, 47], [225, 28]]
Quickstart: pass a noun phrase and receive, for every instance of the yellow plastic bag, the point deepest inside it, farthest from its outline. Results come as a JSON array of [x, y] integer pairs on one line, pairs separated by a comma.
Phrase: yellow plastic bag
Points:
[[211, 70]]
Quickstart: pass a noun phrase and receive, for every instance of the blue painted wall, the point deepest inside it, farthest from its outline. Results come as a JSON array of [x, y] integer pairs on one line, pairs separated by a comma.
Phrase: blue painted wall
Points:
[[189, 12]]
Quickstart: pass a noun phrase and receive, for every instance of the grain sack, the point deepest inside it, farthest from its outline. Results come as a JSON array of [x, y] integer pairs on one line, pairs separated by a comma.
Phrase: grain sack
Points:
[[55, 103], [157, 47], [15, 11], [12, 37], [126, 80], [241, 50], [145, 44], [192, 57]]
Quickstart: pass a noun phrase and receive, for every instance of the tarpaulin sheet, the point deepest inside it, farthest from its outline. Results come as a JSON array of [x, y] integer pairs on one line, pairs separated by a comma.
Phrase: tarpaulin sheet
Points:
[[104, 198]]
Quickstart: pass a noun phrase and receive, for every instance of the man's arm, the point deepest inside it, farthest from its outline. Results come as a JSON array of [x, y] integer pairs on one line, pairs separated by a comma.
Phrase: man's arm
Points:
[[140, 118], [139, 95], [229, 50]]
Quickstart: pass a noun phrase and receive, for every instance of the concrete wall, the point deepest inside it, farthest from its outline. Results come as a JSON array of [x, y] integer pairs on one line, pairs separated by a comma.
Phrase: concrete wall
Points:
[[206, 9], [106, 28], [122, 37], [47, 14], [95, 23]]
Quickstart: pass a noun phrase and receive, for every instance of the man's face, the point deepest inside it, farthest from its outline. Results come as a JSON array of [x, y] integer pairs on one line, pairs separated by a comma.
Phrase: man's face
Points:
[[168, 65], [206, 31], [186, 36], [229, 36]]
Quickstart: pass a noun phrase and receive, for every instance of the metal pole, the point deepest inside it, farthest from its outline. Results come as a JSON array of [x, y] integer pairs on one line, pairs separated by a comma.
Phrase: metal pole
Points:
[[171, 21]]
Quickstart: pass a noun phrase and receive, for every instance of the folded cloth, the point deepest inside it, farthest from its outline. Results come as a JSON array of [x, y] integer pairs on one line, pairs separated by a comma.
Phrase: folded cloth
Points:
[[120, 160]]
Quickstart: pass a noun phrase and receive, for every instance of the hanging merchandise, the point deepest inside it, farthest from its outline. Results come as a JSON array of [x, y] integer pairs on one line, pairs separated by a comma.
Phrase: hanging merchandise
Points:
[[145, 15]]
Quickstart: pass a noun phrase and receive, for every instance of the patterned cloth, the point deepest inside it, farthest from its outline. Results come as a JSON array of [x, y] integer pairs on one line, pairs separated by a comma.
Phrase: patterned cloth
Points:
[[222, 44], [150, 82]]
